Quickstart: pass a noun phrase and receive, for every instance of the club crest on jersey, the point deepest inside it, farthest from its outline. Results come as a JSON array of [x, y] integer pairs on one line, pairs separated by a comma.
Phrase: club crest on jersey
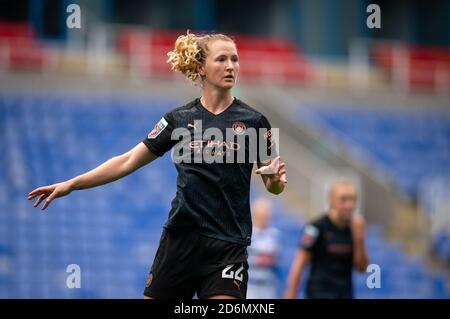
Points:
[[239, 128], [159, 127]]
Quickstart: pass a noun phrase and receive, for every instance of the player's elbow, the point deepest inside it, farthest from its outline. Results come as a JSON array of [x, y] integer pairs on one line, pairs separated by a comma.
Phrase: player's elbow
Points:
[[126, 165]]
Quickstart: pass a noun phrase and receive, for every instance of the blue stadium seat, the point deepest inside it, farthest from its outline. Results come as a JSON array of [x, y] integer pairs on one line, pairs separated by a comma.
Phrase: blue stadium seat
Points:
[[409, 145]]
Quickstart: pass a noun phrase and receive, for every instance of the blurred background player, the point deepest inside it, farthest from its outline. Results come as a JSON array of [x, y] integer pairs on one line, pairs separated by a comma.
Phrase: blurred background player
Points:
[[333, 244], [263, 253]]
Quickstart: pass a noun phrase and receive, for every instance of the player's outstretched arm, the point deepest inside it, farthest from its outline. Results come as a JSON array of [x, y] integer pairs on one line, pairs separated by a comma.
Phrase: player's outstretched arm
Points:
[[360, 258], [111, 170], [301, 259], [273, 175]]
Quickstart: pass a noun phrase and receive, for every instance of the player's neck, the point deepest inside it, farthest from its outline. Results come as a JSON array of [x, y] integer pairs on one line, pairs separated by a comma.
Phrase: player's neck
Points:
[[339, 223], [216, 101]]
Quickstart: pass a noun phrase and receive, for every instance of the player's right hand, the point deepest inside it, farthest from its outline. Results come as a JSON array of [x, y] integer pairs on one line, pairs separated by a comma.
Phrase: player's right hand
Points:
[[49, 193]]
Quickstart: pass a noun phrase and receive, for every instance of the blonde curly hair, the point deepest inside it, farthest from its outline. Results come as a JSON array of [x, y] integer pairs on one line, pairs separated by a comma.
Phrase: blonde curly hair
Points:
[[190, 52]]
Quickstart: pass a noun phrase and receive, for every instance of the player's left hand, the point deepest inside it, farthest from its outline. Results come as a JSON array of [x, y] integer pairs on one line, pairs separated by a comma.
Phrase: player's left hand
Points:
[[275, 170]]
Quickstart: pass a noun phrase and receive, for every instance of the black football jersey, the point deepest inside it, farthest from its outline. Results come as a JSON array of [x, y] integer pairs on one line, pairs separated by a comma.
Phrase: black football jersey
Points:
[[214, 157], [331, 251]]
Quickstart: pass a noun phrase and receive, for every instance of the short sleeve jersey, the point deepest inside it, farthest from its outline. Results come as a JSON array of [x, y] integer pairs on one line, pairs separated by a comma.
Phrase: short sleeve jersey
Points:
[[214, 157]]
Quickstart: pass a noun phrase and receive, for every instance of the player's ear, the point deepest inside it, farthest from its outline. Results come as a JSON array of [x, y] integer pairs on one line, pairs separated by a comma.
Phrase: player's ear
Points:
[[201, 70]]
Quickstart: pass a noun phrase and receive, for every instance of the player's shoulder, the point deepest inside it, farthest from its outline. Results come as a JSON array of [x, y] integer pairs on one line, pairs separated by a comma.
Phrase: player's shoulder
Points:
[[183, 109], [320, 222], [248, 109]]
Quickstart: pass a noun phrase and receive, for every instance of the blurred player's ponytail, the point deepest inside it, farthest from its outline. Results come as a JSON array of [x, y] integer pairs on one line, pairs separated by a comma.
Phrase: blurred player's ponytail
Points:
[[190, 52]]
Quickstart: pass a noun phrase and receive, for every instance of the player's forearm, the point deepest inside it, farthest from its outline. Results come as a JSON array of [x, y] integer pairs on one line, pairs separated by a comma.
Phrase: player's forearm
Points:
[[294, 280], [360, 258], [110, 171], [295, 275]]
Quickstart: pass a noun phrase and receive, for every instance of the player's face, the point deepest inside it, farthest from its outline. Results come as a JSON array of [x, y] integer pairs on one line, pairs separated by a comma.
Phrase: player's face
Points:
[[221, 66], [343, 201]]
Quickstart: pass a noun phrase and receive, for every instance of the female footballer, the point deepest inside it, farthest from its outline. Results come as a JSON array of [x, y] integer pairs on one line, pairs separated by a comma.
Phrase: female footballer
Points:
[[203, 246]]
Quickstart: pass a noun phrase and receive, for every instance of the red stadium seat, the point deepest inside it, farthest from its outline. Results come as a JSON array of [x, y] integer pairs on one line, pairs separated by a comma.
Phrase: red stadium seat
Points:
[[428, 67], [16, 30], [19, 48]]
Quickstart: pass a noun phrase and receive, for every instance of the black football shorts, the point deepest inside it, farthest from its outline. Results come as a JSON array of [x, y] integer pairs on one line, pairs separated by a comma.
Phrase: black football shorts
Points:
[[187, 263]]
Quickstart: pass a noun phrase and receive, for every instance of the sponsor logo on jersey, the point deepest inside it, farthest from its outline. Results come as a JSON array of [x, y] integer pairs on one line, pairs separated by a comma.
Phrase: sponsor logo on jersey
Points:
[[235, 144], [212, 143], [340, 249]]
